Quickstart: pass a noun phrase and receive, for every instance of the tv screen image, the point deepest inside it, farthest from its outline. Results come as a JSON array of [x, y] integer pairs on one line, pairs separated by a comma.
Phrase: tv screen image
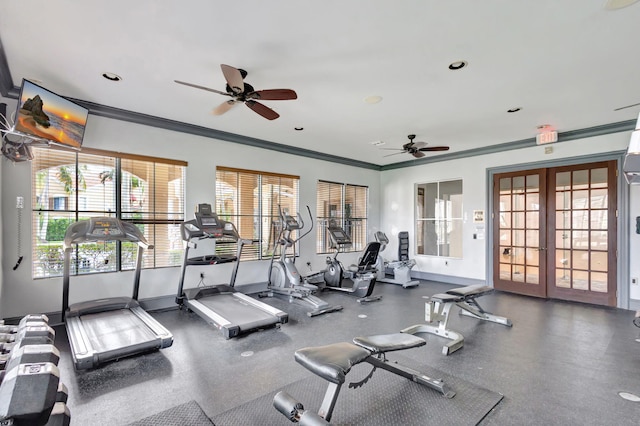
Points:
[[44, 115]]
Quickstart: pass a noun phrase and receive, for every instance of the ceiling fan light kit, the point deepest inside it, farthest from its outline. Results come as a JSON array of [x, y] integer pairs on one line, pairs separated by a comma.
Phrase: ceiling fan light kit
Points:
[[242, 92]]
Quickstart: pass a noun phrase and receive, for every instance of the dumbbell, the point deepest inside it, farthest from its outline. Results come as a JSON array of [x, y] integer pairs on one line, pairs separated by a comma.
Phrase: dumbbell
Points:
[[28, 393], [29, 334], [60, 415], [36, 319]]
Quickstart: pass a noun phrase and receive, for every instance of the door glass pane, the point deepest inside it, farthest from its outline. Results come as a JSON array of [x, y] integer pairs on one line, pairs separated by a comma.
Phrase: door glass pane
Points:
[[518, 273], [563, 181], [599, 178], [518, 184], [533, 275], [518, 238], [580, 280], [580, 219], [563, 278], [533, 256], [580, 199], [505, 203], [533, 220], [533, 201], [563, 200], [580, 240], [599, 198], [563, 259], [599, 219], [562, 239], [505, 185], [580, 259], [518, 201], [505, 237], [505, 271], [599, 282], [599, 240], [599, 261], [505, 220], [533, 183], [518, 220], [580, 179], [563, 220]]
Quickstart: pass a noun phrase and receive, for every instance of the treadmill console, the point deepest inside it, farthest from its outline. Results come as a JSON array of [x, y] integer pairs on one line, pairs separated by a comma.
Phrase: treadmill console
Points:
[[103, 229], [207, 225]]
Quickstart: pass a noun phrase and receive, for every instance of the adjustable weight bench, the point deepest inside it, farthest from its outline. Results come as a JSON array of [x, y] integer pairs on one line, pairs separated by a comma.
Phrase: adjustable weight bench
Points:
[[438, 308], [333, 362]]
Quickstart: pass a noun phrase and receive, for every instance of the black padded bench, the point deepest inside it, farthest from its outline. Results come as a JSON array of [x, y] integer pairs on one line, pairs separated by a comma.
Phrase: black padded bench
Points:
[[333, 362], [438, 308]]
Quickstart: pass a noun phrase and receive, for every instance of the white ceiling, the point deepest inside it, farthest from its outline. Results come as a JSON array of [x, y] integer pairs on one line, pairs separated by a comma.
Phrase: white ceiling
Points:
[[566, 63]]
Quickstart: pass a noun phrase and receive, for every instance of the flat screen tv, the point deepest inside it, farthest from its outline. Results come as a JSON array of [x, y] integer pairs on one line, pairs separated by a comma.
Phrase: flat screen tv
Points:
[[43, 114]]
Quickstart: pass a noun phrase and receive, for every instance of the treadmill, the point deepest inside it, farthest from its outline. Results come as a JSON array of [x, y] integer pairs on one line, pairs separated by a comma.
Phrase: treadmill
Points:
[[230, 311], [111, 328]]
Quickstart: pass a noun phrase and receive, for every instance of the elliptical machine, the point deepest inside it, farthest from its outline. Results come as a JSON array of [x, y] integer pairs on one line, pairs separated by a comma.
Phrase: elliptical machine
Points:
[[401, 267], [362, 276], [284, 277]]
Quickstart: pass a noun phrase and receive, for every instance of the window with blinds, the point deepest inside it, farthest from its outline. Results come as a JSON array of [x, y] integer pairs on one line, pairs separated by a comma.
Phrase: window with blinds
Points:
[[250, 199], [344, 205], [68, 186]]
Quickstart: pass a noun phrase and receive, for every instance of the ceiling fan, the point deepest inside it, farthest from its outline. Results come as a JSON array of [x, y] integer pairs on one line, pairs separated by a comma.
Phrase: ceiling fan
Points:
[[417, 149], [241, 92]]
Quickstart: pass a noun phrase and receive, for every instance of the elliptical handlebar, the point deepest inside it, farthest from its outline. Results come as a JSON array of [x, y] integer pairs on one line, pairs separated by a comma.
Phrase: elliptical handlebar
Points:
[[299, 221]]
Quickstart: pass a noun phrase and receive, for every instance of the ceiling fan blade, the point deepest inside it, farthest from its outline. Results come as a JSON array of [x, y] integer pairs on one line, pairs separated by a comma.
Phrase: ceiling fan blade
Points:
[[395, 153], [233, 77], [202, 87], [273, 95], [419, 145], [223, 107], [435, 148], [418, 154], [263, 110]]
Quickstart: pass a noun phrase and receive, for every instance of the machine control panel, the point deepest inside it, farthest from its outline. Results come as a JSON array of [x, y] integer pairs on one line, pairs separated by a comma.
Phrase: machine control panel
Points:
[[207, 224], [339, 237]]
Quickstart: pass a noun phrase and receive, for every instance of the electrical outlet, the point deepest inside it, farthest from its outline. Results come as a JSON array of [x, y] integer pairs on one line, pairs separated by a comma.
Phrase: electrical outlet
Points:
[[446, 263], [634, 281], [201, 274], [19, 202]]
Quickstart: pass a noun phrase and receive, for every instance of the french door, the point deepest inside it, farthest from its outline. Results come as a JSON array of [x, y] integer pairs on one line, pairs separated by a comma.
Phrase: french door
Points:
[[555, 232]]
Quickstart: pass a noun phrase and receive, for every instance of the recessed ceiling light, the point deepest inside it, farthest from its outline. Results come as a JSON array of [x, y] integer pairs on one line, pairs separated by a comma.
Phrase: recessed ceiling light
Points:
[[618, 4], [514, 109], [299, 129], [457, 65], [373, 99], [111, 76], [377, 143]]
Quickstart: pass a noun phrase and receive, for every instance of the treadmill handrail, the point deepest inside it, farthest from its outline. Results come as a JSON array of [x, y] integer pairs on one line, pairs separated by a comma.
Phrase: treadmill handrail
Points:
[[77, 233]]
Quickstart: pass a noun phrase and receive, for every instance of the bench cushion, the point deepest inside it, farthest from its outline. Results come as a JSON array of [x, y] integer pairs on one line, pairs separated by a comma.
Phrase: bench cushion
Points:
[[389, 342], [446, 298], [331, 362], [471, 290]]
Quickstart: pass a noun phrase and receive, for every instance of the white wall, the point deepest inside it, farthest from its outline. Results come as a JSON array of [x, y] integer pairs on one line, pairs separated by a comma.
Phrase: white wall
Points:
[[22, 295], [397, 200]]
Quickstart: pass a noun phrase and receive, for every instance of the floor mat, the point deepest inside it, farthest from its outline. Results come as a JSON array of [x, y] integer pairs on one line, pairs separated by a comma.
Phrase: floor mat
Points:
[[188, 413], [386, 399]]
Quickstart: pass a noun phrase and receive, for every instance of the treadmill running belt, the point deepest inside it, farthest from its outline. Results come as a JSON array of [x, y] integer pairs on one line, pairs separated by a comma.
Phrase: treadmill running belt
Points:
[[238, 311], [113, 330]]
